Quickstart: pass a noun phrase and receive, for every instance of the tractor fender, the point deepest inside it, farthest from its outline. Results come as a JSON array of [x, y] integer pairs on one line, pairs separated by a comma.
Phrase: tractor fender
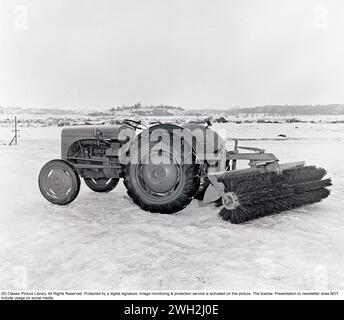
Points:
[[211, 146], [210, 141], [179, 139]]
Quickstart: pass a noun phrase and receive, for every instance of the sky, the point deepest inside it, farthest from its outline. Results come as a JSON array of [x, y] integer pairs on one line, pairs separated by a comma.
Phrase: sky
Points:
[[88, 54]]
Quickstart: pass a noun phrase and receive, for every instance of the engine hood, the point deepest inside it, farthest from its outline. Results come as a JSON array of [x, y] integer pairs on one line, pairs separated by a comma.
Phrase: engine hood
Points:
[[69, 135], [87, 131]]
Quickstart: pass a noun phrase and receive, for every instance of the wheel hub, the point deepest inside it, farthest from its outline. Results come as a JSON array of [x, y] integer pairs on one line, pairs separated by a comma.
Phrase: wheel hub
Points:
[[231, 201], [160, 178], [59, 182]]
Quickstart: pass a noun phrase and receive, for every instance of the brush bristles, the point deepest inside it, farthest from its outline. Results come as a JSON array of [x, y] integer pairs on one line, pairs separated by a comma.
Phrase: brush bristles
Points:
[[303, 174], [270, 193], [246, 213]]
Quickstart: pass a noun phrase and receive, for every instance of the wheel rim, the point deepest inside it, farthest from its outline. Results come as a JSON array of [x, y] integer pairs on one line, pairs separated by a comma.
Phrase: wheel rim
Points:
[[159, 178], [158, 181], [57, 182], [102, 182]]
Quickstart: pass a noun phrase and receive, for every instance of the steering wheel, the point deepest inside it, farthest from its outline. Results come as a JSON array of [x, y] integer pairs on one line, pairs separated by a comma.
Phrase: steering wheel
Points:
[[134, 124]]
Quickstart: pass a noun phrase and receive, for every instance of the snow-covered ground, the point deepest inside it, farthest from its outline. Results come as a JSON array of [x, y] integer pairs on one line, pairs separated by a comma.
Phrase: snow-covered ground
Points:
[[104, 241]]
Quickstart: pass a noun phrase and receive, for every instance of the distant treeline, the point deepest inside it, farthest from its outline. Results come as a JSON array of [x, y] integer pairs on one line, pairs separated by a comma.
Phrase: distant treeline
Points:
[[38, 111], [167, 110], [138, 106], [329, 109]]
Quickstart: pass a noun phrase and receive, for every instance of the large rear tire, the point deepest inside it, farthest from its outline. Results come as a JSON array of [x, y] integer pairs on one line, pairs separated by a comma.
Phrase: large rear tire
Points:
[[168, 194], [59, 182]]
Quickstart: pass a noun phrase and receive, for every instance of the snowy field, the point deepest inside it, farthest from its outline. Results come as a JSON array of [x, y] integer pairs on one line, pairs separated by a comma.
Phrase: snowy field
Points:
[[104, 241]]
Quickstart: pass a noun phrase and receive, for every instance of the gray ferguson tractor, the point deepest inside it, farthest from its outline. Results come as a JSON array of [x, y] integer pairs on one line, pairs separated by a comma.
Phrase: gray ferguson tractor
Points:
[[165, 166]]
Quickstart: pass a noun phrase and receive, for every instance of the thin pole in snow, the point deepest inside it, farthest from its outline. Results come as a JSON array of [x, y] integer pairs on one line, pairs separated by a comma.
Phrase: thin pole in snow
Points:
[[15, 138]]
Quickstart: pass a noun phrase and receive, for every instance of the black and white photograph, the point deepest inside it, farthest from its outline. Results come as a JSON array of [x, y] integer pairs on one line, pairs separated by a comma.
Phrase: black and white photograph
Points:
[[169, 149]]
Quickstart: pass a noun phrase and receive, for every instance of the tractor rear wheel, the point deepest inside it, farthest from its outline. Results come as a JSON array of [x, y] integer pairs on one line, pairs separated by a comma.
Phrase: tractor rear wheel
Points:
[[59, 182], [102, 184], [163, 188]]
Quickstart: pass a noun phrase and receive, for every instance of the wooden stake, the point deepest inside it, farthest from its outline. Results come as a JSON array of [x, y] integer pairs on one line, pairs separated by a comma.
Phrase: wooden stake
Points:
[[15, 138]]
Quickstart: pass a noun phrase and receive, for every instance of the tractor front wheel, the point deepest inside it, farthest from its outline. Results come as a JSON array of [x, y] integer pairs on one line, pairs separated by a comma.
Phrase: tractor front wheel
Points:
[[59, 182], [102, 184]]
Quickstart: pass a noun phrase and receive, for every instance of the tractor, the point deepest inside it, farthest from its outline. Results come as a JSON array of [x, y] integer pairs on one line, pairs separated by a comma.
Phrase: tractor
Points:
[[165, 166]]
